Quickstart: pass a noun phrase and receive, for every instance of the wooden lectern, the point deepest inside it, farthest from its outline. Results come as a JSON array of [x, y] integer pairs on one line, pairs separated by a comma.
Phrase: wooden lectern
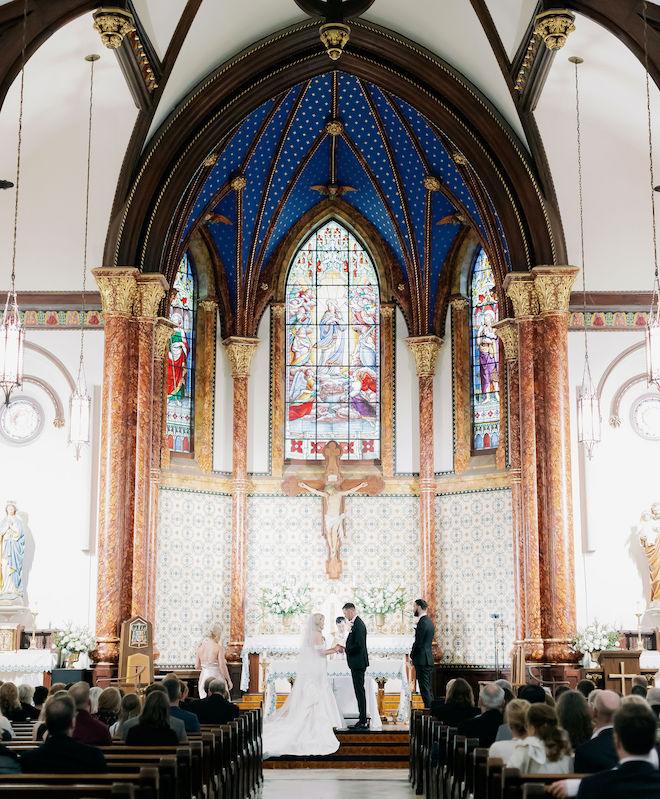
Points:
[[136, 652], [619, 667]]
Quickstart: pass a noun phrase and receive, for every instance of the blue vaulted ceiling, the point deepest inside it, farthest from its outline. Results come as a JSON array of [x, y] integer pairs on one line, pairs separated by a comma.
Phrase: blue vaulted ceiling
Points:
[[383, 154]]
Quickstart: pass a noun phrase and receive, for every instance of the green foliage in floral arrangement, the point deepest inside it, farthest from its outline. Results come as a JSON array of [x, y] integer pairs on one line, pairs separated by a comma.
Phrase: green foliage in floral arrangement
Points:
[[380, 601], [595, 637], [74, 639], [286, 599]]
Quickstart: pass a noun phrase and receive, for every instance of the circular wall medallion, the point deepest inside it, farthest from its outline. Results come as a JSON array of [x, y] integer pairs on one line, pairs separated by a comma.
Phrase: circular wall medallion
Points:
[[21, 421], [645, 416]]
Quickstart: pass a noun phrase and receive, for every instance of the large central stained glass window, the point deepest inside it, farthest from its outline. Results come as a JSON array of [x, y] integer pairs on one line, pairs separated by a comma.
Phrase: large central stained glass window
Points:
[[332, 343]]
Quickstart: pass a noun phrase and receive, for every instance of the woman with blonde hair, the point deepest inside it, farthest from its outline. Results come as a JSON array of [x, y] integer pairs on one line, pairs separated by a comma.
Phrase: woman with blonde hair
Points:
[[211, 661], [544, 750], [515, 716], [10, 706]]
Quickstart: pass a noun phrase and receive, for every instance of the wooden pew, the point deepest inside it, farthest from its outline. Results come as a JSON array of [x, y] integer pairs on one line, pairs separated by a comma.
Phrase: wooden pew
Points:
[[478, 768], [513, 781], [144, 782], [83, 790]]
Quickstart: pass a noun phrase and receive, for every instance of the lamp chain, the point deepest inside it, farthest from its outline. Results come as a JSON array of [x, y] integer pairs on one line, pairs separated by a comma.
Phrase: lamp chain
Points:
[[89, 161], [656, 286], [18, 154]]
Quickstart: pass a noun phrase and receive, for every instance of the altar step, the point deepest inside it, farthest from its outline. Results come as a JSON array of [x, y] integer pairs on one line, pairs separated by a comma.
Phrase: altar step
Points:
[[387, 749], [390, 701]]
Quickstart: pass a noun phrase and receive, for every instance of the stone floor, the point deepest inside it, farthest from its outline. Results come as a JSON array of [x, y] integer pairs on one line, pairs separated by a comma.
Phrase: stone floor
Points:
[[337, 784]]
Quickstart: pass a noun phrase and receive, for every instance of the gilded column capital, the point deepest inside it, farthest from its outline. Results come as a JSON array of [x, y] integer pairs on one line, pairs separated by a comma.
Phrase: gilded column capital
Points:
[[425, 350], [553, 27], [519, 287], [553, 287], [164, 329], [278, 310], [208, 304], [387, 311], [118, 288], [113, 24], [507, 330], [458, 302], [240, 351], [151, 288]]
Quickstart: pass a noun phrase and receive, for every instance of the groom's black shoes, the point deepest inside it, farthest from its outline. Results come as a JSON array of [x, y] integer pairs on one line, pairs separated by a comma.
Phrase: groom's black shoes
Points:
[[361, 725]]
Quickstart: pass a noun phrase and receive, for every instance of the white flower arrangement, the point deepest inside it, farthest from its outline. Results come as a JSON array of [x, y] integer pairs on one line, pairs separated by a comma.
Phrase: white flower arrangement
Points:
[[380, 601], [286, 599], [74, 639], [595, 637]]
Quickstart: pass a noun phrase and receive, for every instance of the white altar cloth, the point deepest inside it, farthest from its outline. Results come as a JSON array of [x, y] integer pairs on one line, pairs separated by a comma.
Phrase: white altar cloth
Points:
[[342, 684], [289, 645], [26, 665]]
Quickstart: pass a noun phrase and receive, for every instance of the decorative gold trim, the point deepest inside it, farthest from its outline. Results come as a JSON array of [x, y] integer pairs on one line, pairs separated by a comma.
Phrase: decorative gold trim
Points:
[[163, 333], [431, 183], [334, 127], [334, 36], [519, 287], [238, 183], [240, 350], [554, 26], [118, 288], [553, 287], [113, 24], [425, 350], [151, 289], [507, 330]]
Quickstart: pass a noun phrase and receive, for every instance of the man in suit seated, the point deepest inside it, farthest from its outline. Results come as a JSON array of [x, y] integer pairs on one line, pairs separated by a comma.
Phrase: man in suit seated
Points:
[[599, 752], [485, 726], [60, 754], [190, 720], [215, 709]]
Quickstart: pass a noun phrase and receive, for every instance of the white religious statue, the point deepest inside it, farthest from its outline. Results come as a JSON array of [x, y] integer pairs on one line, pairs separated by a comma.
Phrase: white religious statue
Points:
[[12, 549], [333, 514], [649, 538]]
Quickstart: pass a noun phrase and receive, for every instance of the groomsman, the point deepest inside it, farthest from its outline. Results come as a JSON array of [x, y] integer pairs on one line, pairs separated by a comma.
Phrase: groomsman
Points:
[[421, 654], [358, 660]]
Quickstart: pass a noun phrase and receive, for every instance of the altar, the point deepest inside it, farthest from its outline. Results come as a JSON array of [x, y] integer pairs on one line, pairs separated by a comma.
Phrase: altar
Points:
[[27, 665]]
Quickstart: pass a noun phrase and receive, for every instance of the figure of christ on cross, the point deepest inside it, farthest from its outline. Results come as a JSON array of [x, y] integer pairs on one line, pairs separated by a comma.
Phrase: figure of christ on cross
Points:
[[333, 488]]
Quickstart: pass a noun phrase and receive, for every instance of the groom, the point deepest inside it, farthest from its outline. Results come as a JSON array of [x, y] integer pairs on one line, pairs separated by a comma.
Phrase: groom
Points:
[[358, 660]]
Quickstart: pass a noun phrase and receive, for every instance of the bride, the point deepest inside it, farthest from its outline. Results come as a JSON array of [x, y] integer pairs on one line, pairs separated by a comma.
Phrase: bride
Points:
[[304, 724]]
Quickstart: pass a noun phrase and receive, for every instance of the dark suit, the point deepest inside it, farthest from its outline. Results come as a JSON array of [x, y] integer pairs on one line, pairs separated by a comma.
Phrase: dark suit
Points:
[[597, 754], [452, 714], [483, 727], [636, 778], [189, 719], [421, 656], [62, 755], [358, 660], [215, 709]]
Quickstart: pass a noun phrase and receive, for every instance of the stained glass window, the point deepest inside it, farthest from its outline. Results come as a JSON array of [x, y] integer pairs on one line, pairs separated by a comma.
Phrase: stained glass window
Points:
[[332, 343], [485, 357], [181, 361]]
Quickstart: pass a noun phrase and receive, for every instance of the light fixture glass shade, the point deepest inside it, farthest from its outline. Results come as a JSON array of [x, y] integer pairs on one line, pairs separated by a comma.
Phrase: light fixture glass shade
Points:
[[11, 348], [79, 414], [588, 417], [653, 347]]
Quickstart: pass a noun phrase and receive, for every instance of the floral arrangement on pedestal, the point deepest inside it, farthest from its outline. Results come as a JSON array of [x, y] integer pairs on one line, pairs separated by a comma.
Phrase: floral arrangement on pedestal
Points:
[[380, 602], [286, 600], [73, 642], [594, 638]]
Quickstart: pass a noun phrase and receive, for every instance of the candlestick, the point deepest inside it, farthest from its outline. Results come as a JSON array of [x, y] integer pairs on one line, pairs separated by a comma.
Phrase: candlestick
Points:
[[640, 642], [33, 642]]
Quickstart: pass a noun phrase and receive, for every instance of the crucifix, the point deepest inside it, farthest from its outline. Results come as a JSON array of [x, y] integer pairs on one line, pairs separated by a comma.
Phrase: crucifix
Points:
[[333, 488]]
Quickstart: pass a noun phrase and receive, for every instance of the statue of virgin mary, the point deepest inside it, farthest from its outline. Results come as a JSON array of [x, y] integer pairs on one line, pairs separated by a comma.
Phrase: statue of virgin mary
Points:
[[12, 549]]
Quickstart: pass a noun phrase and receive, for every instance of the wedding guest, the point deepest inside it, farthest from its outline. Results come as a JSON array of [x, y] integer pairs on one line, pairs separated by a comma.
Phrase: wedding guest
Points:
[[8, 761], [87, 729], [506, 686], [60, 754], [130, 708], [653, 698], [176, 724], [530, 693], [458, 704], [190, 720], [599, 752], [153, 727], [215, 708], [575, 717], [55, 687], [515, 715], [94, 694], [39, 730], [40, 694], [25, 695], [485, 726], [10, 707], [562, 690], [640, 681], [544, 750], [585, 687], [109, 704], [6, 730]]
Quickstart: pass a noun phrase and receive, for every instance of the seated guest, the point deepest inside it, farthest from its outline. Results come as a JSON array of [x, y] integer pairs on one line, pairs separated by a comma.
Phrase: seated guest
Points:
[[40, 694], [458, 704], [39, 730], [531, 694], [8, 761], [638, 690], [153, 727], [653, 698], [585, 687], [190, 720], [640, 681], [87, 729], [176, 724], [10, 706], [25, 694], [562, 690], [60, 754], [109, 703], [94, 694], [599, 753], [544, 750], [508, 690], [575, 717], [130, 708], [55, 687], [6, 730], [515, 715], [485, 726], [216, 708]]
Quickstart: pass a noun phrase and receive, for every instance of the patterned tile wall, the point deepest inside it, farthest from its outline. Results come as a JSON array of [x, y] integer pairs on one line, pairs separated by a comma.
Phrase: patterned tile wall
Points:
[[474, 556]]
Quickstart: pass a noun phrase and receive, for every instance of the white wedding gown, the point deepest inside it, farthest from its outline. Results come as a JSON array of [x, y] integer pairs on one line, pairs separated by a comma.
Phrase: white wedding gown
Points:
[[304, 724]]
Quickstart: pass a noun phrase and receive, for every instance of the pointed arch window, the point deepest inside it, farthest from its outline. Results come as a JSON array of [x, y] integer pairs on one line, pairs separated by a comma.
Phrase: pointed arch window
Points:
[[181, 360], [485, 356], [332, 348]]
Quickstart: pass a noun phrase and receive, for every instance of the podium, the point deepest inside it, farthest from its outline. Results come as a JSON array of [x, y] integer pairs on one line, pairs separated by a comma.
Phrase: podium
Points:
[[619, 667]]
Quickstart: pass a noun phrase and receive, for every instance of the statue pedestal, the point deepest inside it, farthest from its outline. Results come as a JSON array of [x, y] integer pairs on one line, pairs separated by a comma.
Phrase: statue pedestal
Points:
[[13, 614]]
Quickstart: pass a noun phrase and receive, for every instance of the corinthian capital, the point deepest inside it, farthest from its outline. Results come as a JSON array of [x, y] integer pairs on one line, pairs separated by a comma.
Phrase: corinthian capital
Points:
[[240, 351], [553, 27], [118, 287], [519, 287], [425, 350], [163, 333], [553, 287], [507, 330], [151, 288]]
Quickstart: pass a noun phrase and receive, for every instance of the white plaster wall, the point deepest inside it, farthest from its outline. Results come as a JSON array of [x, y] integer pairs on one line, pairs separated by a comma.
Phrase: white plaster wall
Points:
[[258, 401], [223, 409], [57, 495], [611, 491], [443, 422], [407, 402]]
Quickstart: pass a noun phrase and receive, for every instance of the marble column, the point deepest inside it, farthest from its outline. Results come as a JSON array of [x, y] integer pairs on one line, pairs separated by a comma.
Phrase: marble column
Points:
[[151, 289], [507, 330], [553, 288], [387, 388], [207, 312], [118, 288], [520, 289], [239, 351], [425, 350], [462, 364], [277, 385]]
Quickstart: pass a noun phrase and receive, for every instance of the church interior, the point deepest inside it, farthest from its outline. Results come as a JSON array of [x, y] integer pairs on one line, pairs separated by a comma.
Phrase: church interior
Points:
[[328, 301]]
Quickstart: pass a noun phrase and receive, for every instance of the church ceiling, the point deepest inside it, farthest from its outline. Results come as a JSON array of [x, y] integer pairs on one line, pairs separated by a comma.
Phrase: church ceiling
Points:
[[376, 159]]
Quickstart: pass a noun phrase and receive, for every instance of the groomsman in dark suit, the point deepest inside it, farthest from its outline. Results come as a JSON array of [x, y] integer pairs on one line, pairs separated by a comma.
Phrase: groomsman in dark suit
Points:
[[358, 660], [421, 654]]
